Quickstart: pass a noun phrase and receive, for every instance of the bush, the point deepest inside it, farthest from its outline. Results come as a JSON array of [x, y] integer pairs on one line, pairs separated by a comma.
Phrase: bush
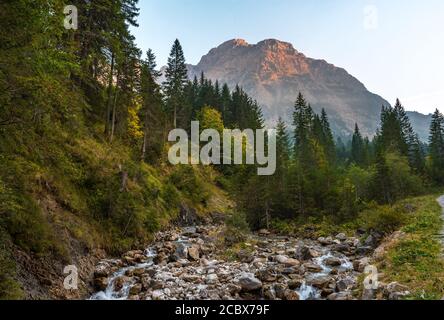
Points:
[[236, 228], [394, 179], [385, 219], [188, 182], [237, 221]]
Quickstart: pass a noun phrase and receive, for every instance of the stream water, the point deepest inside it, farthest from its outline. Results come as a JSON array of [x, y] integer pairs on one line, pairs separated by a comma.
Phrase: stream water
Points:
[[168, 269]]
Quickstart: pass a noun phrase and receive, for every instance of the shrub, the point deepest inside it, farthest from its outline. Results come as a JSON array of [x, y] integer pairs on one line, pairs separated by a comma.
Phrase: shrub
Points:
[[236, 228], [187, 181], [385, 219]]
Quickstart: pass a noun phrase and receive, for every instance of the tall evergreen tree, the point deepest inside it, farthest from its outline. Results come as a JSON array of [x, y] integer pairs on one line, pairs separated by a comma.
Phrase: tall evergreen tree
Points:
[[282, 145], [436, 147], [410, 143], [280, 198], [176, 75], [151, 98], [226, 104], [327, 138], [302, 122], [357, 151]]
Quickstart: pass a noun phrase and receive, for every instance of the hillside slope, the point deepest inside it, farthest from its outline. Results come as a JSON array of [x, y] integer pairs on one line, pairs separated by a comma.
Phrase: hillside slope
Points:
[[71, 201]]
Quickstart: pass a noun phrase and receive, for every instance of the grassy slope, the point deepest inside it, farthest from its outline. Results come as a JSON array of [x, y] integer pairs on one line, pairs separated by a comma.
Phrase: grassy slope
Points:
[[61, 197], [416, 259]]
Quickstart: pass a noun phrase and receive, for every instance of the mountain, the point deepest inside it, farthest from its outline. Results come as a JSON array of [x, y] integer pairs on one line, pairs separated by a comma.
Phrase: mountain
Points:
[[421, 124], [274, 72]]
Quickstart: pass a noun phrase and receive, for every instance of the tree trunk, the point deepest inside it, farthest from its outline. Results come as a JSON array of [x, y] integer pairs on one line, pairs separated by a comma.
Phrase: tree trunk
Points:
[[109, 101], [145, 138], [267, 216], [113, 124], [145, 135], [301, 202]]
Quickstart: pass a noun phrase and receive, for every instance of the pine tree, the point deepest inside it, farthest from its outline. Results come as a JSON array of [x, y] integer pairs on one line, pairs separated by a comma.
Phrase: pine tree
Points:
[[357, 151], [411, 145], [192, 98], [417, 155], [176, 77], [367, 155], [151, 97], [301, 123], [309, 155], [395, 130], [282, 145], [226, 105], [278, 184], [383, 185], [327, 138], [436, 147]]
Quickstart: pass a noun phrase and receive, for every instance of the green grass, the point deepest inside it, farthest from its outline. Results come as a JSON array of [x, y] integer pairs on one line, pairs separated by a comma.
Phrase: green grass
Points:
[[416, 259]]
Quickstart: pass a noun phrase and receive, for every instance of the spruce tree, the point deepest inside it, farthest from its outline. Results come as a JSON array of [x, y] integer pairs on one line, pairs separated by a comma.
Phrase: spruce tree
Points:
[[151, 97], [301, 123], [176, 77], [282, 144], [226, 102], [436, 147], [357, 150], [327, 138], [410, 144], [279, 182]]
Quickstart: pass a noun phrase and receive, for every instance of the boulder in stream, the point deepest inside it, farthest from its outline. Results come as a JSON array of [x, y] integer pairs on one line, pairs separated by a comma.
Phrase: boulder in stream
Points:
[[249, 282], [181, 252], [194, 252], [320, 282], [332, 262], [101, 284], [311, 267]]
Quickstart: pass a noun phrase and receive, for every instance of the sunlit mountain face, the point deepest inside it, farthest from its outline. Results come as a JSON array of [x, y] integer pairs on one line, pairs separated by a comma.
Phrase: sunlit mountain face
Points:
[[274, 72]]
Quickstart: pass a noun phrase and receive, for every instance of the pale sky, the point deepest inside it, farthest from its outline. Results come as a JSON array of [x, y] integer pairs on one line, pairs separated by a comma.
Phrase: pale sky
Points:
[[395, 47]]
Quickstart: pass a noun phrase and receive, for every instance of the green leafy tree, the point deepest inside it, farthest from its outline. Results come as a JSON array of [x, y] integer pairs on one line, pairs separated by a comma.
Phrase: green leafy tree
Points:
[[210, 118]]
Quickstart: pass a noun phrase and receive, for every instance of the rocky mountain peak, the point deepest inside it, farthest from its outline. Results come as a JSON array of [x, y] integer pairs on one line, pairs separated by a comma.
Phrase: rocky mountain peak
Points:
[[276, 45], [235, 43], [274, 72]]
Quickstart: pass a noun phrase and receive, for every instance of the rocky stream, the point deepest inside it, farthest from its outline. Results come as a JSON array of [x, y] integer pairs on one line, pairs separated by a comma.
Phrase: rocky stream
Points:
[[187, 264]]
